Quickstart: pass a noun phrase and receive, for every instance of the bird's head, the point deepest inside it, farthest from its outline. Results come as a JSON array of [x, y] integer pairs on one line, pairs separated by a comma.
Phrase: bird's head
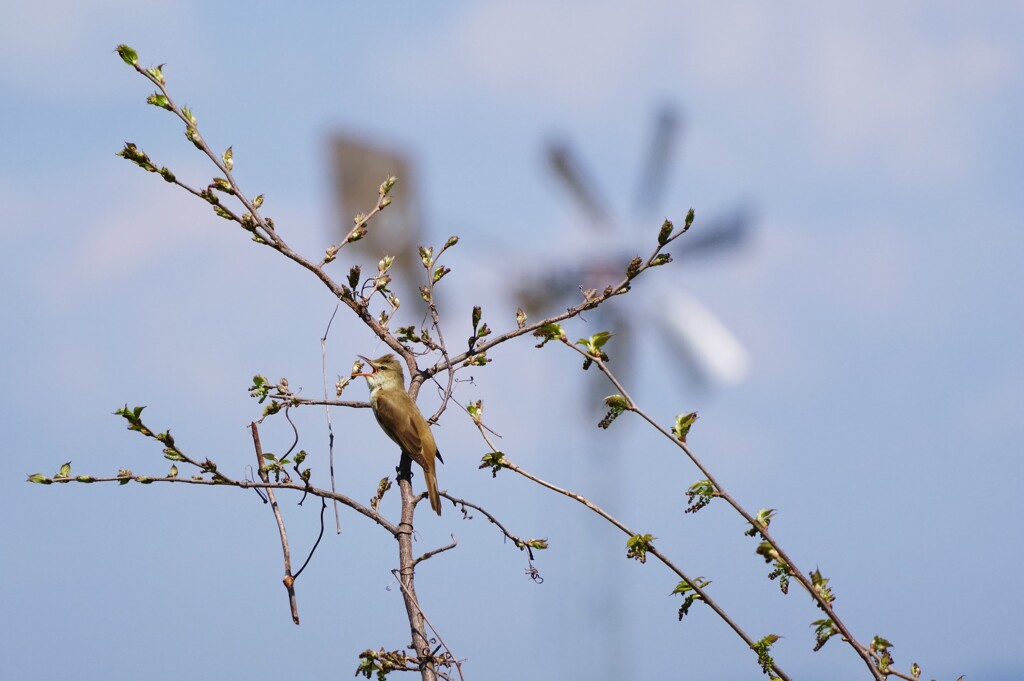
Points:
[[384, 372]]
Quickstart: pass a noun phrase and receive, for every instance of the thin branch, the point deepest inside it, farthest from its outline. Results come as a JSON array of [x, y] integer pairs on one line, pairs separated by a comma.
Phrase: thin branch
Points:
[[588, 304], [246, 484], [323, 507], [327, 411], [692, 583], [289, 580], [521, 544], [430, 554], [822, 602], [454, 660]]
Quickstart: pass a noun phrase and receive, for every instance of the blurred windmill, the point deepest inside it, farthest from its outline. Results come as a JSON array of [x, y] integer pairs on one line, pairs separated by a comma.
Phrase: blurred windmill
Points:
[[707, 348], [358, 166]]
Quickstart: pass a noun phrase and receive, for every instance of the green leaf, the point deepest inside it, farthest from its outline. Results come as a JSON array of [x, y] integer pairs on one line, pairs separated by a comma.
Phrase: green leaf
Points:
[[763, 520], [64, 472], [762, 649], [617, 402], [173, 473], [228, 157], [439, 273], [638, 545], [193, 136], [821, 587], [385, 187], [160, 100], [685, 587], [661, 259], [173, 455], [495, 461], [682, 426], [699, 495], [39, 479], [452, 240], [128, 55], [85, 478], [666, 232], [157, 73], [689, 220], [476, 410], [520, 318], [477, 360], [426, 256], [549, 332], [595, 342]]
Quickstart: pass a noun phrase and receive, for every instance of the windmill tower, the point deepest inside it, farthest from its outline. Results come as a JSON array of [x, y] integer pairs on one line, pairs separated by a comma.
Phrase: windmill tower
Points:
[[358, 166], [686, 328]]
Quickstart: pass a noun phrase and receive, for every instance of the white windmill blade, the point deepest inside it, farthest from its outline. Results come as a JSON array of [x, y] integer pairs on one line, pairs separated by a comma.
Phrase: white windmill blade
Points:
[[704, 340]]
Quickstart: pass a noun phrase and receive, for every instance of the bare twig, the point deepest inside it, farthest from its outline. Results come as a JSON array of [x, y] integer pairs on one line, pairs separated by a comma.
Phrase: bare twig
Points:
[[437, 634], [327, 411], [434, 552], [289, 580], [521, 544], [694, 584], [323, 507]]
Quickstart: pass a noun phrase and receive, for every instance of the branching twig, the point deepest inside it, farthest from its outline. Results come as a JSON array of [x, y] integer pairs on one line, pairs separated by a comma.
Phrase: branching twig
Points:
[[822, 602], [454, 660], [327, 411], [693, 583], [434, 552], [289, 580], [522, 544]]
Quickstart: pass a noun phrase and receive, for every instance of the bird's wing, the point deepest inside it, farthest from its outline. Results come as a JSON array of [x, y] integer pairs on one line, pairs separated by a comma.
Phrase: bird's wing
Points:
[[389, 407]]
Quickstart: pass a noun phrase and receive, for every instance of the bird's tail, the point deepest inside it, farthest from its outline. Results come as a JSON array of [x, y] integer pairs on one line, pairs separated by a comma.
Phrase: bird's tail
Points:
[[435, 499]]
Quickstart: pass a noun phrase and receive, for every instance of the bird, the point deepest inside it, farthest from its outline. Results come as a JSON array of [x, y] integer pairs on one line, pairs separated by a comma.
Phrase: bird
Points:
[[400, 418]]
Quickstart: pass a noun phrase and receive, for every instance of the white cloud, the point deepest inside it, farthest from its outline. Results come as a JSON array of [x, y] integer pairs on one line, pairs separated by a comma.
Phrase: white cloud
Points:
[[864, 85], [48, 47]]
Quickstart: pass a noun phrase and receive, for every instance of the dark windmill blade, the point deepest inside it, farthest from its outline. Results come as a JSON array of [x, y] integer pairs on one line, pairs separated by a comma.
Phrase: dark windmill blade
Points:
[[721, 233], [358, 167], [654, 176], [570, 171]]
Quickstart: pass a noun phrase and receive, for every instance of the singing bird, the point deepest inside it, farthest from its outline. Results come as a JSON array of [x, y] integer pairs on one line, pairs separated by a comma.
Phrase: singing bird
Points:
[[399, 417]]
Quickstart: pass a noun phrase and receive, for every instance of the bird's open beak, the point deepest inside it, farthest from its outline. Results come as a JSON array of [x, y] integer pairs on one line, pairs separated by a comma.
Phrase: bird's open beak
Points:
[[372, 371]]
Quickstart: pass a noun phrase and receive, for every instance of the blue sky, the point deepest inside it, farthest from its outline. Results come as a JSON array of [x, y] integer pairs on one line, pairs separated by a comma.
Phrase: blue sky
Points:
[[880, 300]]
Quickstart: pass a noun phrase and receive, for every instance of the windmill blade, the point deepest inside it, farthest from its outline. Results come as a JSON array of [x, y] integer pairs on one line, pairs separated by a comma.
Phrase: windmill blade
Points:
[[718, 234], [702, 340], [570, 171], [654, 175]]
